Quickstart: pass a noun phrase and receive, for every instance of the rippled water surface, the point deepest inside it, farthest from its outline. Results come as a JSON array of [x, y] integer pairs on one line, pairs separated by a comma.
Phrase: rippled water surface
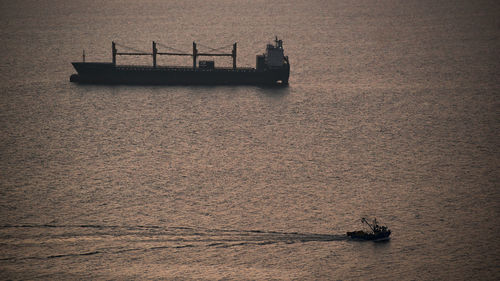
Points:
[[392, 112]]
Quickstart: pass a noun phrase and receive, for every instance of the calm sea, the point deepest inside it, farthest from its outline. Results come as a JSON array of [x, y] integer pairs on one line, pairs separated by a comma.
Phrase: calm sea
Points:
[[392, 112]]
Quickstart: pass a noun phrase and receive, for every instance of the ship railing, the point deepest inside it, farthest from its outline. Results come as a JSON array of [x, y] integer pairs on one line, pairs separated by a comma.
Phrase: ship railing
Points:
[[184, 68]]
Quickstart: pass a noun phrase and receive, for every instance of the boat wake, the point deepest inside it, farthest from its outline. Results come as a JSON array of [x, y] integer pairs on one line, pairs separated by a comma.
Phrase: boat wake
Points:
[[60, 241]]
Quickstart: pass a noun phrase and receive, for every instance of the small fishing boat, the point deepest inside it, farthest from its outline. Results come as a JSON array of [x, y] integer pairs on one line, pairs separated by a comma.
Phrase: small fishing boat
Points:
[[377, 233]]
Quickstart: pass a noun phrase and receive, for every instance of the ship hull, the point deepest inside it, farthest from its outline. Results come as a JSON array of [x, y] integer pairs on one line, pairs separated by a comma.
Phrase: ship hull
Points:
[[361, 235], [107, 73]]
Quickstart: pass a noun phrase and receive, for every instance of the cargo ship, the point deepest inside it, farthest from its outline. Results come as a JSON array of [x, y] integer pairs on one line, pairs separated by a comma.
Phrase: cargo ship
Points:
[[272, 68]]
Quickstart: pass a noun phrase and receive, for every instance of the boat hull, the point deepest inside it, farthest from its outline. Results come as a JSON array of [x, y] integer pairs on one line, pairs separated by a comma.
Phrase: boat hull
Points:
[[107, 73], [361, 235]]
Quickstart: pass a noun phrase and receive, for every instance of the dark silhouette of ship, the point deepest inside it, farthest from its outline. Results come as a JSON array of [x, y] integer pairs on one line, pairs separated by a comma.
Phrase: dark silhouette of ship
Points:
[[272, 68], [377, 233]]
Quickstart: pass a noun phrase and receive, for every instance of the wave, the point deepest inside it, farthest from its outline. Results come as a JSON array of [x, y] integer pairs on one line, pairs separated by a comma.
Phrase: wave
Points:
[[87, 239], [189, 231]]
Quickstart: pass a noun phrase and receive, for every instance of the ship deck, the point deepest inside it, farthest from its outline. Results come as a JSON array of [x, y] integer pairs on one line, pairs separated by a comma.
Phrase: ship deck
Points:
[[182, 68]]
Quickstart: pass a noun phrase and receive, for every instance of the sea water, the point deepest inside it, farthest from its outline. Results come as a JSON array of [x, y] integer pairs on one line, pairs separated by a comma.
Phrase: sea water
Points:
[[392, 112]]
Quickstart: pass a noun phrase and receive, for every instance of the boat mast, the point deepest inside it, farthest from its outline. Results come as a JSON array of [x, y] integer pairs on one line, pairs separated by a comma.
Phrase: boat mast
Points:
[[195, 54], [155, 51], [233, 54], [365, 221], [113, 49]]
